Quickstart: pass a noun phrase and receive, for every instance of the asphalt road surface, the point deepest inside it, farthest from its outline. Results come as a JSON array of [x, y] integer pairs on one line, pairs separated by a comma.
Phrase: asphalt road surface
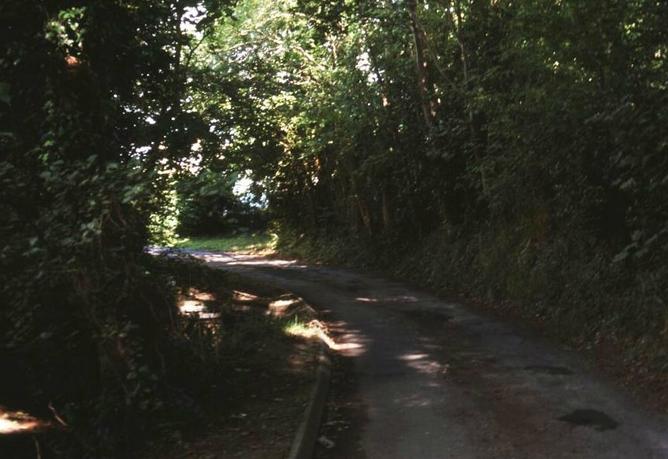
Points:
[[436, 380]]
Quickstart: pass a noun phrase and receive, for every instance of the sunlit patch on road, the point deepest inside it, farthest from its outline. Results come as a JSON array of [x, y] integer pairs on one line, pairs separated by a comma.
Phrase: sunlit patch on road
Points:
[[252, 261], [362, 299], [388, 299], [411, 357], [346, 346]]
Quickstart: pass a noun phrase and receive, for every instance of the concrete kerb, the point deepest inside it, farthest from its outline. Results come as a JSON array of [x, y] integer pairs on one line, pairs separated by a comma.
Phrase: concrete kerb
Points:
[[303, 444]]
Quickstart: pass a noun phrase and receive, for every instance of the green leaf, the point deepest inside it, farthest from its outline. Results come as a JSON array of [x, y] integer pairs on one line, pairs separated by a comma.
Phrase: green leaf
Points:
[[5, 94]]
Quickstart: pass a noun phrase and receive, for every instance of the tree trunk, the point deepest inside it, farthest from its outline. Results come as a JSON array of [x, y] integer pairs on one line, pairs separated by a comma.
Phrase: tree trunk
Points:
[[467, 88], [365, 214], [387, 215], [421, 65]]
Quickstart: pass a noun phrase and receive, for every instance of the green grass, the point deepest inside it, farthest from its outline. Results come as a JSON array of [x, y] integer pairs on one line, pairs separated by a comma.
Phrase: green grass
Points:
[[297, 327], [253, 242]]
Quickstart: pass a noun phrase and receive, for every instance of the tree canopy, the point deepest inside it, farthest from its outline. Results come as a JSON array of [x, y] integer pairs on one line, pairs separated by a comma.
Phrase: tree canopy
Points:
[[519, 147]]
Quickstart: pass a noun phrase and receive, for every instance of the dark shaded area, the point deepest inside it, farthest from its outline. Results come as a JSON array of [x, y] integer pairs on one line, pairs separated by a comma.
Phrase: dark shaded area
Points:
[[508, 151], [346, 411], [500, 149], [590, 418], [460, 389], [344, 417], [428, 316], [90, 115], [550, 370]]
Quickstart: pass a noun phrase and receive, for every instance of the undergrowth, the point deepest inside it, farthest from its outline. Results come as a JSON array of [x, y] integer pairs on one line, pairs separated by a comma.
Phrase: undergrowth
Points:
[[176, 379], [565, 287]]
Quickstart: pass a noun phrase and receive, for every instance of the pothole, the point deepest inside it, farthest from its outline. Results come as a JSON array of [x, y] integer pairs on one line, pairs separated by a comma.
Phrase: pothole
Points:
[[590, 418]]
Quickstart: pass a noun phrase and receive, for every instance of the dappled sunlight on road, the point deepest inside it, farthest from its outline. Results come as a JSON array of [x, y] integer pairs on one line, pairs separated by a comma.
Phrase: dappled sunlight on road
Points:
[[227, 258], [353, 349], [412, 357], [349, 342], [362, 299], [423, 367], [256, 261], [388, 299]]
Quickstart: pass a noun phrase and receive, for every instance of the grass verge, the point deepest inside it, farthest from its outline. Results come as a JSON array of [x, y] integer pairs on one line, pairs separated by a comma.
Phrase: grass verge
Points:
[[261, 368], [250, 243]]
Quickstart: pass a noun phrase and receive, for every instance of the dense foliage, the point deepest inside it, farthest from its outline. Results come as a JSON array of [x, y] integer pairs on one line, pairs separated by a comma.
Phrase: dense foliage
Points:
[[92, 128], [508, 149], [207, 203]]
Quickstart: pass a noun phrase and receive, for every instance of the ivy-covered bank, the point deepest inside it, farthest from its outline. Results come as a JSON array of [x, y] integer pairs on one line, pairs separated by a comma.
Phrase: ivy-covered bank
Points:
[[512, 151], [569, 294]]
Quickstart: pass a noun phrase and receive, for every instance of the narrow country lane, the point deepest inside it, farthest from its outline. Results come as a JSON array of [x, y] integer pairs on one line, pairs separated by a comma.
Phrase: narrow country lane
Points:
[[439, 381]]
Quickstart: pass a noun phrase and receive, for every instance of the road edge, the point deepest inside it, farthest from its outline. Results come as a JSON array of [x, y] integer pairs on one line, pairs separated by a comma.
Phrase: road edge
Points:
[[303, 444]]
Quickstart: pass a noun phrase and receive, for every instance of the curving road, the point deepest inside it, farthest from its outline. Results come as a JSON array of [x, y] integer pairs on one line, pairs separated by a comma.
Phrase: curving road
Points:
[[436, 380]]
